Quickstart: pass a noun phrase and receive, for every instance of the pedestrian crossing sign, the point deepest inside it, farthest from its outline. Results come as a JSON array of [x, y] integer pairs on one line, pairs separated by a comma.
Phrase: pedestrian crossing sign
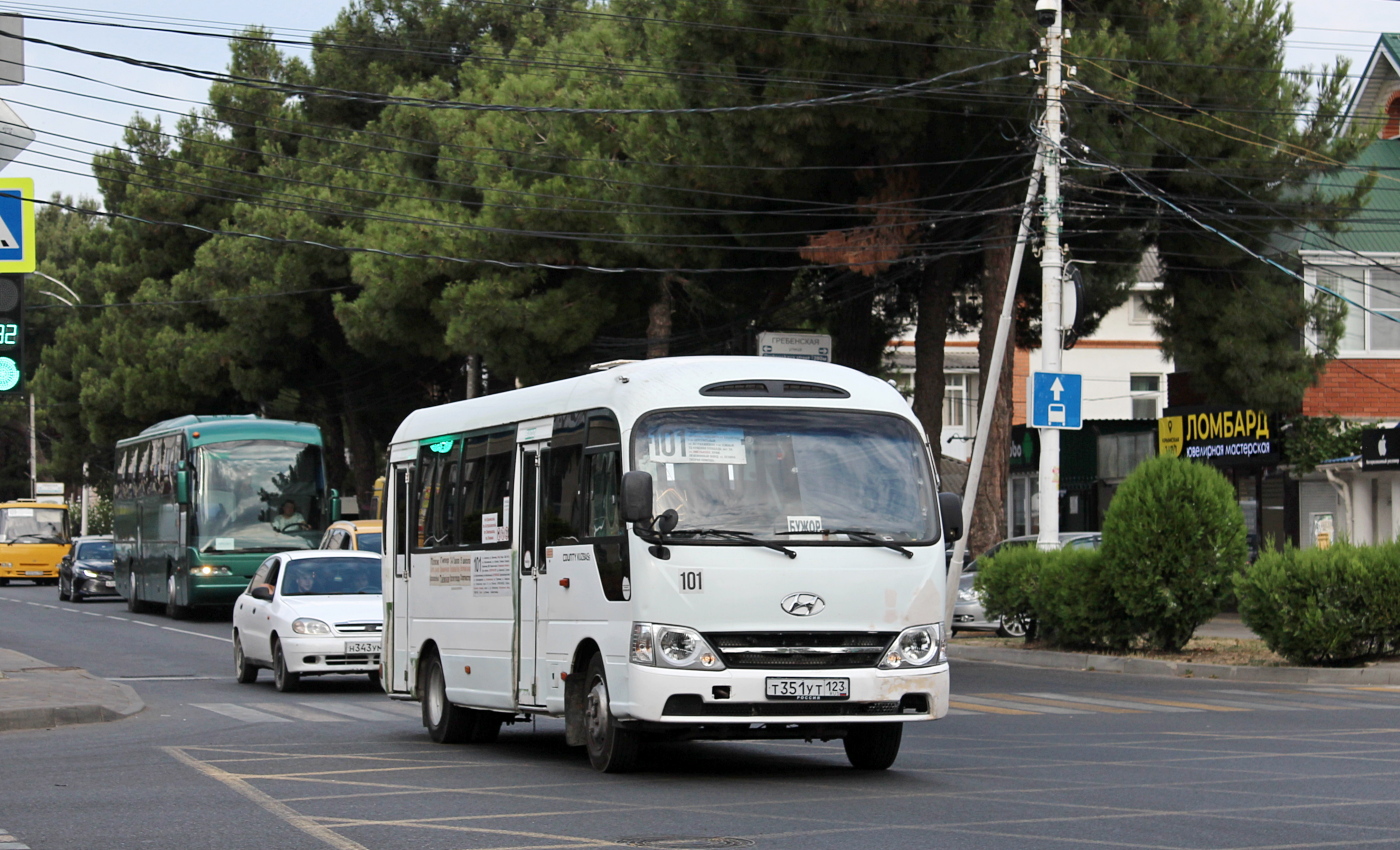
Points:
[[16, 225]]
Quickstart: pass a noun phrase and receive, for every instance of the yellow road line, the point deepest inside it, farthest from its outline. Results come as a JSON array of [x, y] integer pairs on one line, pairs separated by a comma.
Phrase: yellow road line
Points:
[[1059, 703], [281, 810], [1200, 705], [990, 709]]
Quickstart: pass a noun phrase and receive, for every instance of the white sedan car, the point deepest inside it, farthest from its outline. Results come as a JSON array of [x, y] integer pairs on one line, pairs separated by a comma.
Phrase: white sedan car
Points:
[[309, 613]]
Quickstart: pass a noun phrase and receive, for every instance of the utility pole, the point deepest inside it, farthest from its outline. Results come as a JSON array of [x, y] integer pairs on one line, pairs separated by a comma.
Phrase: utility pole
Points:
[[1050, 14]]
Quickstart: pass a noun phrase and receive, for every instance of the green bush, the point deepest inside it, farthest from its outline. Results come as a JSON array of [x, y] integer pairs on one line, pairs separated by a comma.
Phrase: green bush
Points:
[[1062, 593], [1325, 606], [1172, 540]]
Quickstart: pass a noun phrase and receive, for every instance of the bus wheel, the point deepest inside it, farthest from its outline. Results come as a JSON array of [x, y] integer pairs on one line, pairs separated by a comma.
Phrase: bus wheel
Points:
[[244, 672], [447, 723], [172, 610], [133, 603], [873, 746], [285, 680], [611, 748]]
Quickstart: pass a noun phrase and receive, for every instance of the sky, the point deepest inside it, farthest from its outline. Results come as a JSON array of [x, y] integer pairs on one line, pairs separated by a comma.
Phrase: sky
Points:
[[70, 127]]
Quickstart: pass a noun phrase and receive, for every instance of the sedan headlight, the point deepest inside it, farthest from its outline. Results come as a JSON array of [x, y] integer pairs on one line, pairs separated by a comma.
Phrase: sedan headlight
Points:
[[917, 646], [657, 645], [967, 594], [308, 626], [209, 570], [87, 573]]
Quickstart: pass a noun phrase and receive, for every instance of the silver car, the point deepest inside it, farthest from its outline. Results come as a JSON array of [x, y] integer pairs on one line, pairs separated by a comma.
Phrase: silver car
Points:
[[968, 614]]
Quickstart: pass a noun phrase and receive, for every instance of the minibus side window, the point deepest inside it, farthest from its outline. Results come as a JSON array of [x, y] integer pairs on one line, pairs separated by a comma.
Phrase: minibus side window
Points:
[[603, 526], [495, 486], [604, 476], [428, 467], [563, 482], [470, 497]]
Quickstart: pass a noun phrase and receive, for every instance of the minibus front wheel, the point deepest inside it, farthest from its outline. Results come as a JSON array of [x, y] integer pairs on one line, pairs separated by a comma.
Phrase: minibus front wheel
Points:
[[873, 746], [612, 748]]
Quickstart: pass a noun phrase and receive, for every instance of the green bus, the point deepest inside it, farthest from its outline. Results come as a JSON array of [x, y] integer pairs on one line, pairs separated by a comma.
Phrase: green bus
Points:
[[200, 501]]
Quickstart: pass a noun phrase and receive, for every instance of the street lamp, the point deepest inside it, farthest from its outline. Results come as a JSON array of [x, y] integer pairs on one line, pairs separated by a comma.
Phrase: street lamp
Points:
[[33, 436]]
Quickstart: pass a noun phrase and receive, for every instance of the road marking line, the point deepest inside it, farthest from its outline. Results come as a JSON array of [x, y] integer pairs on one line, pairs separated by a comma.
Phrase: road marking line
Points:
[[1257, 706], [70, 611], [1203, 706], [9, 842], [197, 634], [355, 711], [93, 614], [1045, 706], [281, 810], [989, 709], [1116, 703], [144, 623], [298, 713], [123, 619], [240, 712]]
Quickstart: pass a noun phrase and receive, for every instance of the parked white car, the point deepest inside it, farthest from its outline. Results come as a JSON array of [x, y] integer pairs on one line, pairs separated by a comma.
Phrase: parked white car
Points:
[[310, 613]]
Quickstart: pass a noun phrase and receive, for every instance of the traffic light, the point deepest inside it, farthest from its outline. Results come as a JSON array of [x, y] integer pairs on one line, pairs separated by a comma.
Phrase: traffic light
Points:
[[11, 335]]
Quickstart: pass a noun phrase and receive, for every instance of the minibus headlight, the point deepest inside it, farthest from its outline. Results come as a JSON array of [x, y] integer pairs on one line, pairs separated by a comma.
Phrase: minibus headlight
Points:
[[917, 646], [308, 626], [657, 645]]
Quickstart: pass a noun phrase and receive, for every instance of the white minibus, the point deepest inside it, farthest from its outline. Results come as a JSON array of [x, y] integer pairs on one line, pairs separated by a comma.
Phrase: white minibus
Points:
[[675, 549]]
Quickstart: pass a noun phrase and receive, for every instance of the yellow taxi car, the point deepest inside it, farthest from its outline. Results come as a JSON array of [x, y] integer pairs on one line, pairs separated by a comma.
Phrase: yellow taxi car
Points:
[[34, 537], [364, 535]]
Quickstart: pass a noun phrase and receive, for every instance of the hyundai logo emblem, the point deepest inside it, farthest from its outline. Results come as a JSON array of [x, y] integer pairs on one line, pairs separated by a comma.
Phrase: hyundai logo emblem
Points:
[[803, 604]]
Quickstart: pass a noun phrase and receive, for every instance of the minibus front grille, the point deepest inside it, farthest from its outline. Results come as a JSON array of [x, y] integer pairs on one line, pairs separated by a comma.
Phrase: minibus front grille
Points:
[[800, 650]]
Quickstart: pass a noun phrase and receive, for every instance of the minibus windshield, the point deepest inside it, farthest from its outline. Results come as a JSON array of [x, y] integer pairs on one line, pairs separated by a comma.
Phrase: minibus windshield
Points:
[[785, 474]]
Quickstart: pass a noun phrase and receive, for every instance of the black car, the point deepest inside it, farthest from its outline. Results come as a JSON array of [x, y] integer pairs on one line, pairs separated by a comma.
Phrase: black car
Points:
[[87, 569]]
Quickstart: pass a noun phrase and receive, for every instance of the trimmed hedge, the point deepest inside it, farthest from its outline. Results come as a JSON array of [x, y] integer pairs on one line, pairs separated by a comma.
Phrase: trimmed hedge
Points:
[[1173, 540], [1062, 593], [1325, 606]]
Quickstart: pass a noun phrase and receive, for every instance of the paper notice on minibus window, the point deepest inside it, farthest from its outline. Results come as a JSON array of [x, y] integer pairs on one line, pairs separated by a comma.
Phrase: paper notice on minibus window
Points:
[[697, 445], [488, 528]]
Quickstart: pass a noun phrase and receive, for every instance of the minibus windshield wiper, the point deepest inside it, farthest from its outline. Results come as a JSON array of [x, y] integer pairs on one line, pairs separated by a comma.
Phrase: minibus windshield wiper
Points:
[[741, 536], [861, 534]]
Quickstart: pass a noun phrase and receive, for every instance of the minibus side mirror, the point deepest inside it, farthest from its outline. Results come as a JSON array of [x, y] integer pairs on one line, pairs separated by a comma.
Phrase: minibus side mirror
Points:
[[182, 487], [950, 511], [335, 506], [636, 497]]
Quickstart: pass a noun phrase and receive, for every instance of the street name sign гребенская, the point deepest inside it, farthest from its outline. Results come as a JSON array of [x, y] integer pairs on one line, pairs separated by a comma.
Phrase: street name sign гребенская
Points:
[[1057, 400]]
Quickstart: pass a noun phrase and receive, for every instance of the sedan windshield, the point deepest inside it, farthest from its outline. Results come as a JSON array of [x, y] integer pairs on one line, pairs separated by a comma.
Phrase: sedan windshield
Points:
[[259, 496], [34, 525], [785, 473], [98, 550], [330, 577]]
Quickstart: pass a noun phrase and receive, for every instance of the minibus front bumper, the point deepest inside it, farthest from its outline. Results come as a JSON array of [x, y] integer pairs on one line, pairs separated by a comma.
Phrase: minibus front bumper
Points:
[[740, 696]]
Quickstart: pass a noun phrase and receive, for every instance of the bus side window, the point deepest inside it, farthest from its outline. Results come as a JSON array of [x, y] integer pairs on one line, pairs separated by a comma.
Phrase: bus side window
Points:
[[470, 495], [604, 481], [562, 516], [447, 504], [429, 465], [496, 482]]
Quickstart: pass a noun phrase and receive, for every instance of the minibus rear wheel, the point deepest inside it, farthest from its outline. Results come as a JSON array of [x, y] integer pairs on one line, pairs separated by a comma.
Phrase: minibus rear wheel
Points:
[[873, 746], [611, 748]]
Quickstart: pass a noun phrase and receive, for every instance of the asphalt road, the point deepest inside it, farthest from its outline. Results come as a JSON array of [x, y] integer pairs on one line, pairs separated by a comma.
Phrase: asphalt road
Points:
[[1029, 758]]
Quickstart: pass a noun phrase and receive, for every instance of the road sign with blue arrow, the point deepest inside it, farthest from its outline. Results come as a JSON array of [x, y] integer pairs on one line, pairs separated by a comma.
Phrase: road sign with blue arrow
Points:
[[1057, 400], [16, 224]]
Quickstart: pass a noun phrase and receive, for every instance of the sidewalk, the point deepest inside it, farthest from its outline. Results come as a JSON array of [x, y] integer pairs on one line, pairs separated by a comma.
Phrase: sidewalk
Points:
[[35, 695], [1223, 626]]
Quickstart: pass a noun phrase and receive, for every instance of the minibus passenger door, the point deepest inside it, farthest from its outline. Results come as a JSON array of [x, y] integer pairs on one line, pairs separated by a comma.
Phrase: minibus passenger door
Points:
[[393, 654], [531, 567]]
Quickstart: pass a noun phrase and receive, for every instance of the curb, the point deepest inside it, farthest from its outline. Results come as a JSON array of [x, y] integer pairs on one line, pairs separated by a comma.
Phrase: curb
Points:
[[1387, 674], [37, 695]]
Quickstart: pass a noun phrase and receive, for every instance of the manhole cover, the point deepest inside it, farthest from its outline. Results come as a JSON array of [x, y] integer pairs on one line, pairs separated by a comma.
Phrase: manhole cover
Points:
[[673, 842]]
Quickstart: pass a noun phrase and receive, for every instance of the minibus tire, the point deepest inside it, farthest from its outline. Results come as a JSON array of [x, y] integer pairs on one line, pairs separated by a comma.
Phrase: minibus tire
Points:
[[611, 748], [447, 723], [873, 746]]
